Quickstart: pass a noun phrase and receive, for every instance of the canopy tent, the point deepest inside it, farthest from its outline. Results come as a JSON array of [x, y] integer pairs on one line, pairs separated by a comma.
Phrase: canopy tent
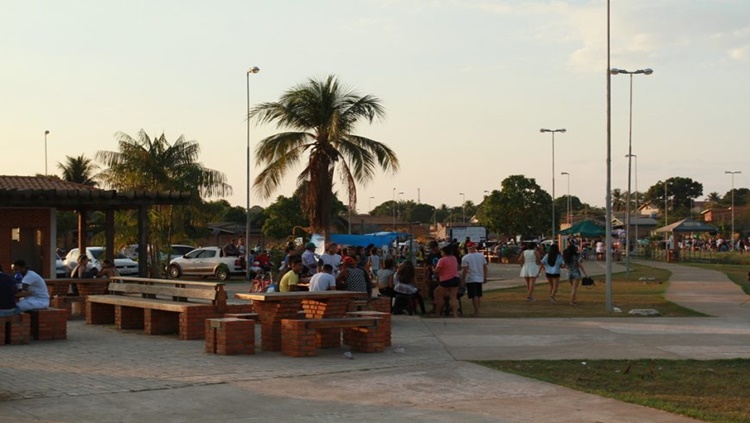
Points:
[[585, 228], [378, 238], [687, 225]]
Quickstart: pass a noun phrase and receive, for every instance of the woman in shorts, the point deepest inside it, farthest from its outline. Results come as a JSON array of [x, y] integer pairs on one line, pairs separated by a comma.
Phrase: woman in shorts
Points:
[[574, 263], [448, 281], [552, 262]]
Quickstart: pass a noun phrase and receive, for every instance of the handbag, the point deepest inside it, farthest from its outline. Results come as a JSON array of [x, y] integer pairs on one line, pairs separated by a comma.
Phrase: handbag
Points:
[[587, 281]]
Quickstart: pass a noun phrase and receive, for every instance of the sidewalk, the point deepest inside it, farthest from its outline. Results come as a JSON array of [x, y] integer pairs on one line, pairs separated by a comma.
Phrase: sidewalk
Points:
[[103, 375]]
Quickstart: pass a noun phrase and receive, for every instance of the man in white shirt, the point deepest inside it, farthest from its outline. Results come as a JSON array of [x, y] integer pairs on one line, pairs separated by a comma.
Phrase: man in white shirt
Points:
[[473, 275], [324, 280], [309, 258], [34, 294], [330, 257]]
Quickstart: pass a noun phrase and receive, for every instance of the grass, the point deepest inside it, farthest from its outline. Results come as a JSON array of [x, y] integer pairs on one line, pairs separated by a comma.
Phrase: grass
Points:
[[710, 390], [626, 294]]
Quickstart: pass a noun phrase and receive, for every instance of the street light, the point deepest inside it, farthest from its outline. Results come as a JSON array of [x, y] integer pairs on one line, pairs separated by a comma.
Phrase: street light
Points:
[[616, 71], [463, 209], [608, 188], [568, 216], [396, 205], [635, 156], [369, 204], [734, 172], [45, 152], [393, 209], [254, 69], [553, 175]]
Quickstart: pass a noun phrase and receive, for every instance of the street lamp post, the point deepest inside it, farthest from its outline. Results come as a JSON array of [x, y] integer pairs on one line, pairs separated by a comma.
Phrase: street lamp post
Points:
[[732, 172], [608, 210], [635, 156], [666, 213], [553, 174], [616, 71], [568, 216], [252, 70], [393, 209], [463, 209], [45, 151], [369, 204], [399, 200]]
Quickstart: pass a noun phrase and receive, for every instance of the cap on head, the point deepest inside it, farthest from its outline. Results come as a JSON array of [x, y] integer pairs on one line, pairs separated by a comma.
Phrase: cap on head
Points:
[[348, 260], [471, 245], [309, 245]]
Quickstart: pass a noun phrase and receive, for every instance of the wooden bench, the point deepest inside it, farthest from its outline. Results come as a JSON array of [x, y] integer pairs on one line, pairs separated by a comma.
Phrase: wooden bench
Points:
[[161, 306], [363, 334]]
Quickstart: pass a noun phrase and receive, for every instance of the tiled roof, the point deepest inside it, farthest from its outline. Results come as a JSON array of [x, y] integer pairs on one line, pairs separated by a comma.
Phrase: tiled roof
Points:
[[39, 183]]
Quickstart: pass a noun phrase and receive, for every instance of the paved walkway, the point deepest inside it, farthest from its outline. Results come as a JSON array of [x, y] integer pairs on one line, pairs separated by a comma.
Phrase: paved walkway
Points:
[[103, 375]]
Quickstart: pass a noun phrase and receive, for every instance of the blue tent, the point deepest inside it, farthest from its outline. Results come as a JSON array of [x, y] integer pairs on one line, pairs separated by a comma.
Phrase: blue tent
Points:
[[378, 238]]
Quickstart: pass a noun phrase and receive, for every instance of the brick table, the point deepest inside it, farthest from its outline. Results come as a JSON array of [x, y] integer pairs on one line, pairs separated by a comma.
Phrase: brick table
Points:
[[274, 307]]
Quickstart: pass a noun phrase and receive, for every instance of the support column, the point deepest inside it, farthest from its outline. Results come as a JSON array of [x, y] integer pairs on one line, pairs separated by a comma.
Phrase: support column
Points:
[[142, 242]]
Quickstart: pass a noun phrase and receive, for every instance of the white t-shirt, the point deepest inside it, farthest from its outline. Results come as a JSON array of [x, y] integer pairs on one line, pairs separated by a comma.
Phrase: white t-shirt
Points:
[[334, 260], [383, 277], [475, 263], [322, 281], [37, 286]]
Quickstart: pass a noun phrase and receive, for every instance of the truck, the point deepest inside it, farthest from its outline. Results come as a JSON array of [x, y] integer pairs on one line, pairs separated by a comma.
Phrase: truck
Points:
[[475, 233]]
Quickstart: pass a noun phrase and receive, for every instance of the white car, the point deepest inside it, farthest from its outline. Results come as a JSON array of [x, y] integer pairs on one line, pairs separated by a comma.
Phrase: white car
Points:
[[124, 265], [178, 250], [60, 270], [206, 261]]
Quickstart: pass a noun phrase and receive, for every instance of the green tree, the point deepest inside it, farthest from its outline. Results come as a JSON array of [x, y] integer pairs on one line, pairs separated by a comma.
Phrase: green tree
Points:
[[618, 200], [422, 213], [714, 199], [143, 163], [741, 197], [519, 208], [680, 191], [323, 116], [80, 170], [282, 216]]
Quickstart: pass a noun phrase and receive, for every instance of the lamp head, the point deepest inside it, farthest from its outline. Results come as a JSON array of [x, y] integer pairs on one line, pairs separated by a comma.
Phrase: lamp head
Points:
[[648, 71], [562, 131], [615, 71], [544, 130], [254, 69], [564, 173], [46, 132]]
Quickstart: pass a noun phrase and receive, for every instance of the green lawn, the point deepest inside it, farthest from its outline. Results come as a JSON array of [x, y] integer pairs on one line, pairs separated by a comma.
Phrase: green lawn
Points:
[[626, 295], [710, 390]]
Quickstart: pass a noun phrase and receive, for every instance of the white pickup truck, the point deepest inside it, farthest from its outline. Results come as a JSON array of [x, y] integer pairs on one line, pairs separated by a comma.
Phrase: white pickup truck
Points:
[[207, 261]]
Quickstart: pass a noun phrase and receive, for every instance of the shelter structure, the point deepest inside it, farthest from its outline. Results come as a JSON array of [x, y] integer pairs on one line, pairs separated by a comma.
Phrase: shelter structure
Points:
[[28, 227], [687, 226], [584, 228]]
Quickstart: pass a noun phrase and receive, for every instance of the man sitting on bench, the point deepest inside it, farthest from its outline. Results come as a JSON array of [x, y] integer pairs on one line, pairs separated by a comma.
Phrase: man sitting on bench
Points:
[[34, 294], [7, 295]]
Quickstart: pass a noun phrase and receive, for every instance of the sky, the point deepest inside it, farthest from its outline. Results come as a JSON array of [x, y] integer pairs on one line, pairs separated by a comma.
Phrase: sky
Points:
[[466, 84]]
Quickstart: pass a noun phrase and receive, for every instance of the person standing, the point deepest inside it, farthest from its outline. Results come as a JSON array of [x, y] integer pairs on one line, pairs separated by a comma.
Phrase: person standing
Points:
[[34, 294], [432, 281], [449, 281], [530, 259], [373, 261], [552, 262], [574, 263], [473, 275], [385, 278], [330, 257], [310, 259]]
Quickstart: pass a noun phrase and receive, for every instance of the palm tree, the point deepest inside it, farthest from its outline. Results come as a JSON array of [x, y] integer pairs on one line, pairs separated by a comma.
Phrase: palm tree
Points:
[[144, 163], [323, 115], [618, 200], [714, 199], [79, 169]]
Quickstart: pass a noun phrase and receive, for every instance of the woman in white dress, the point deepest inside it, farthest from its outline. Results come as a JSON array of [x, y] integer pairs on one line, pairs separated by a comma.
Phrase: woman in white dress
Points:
[[530, 259]]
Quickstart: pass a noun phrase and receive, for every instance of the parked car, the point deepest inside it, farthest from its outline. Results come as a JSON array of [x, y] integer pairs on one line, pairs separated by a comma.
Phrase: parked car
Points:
[[124, 265], [207, 261], [60, 270], [178, 250]]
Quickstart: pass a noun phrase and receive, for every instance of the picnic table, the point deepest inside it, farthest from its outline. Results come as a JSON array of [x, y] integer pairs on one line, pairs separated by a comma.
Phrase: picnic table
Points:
[[274, 307]]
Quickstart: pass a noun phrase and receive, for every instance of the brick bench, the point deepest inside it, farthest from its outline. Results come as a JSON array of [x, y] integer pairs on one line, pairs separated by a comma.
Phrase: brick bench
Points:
[[363, 334], [49, 323], [75, 304], [161, 306], [230, 335], [15, 329], [385, 326]]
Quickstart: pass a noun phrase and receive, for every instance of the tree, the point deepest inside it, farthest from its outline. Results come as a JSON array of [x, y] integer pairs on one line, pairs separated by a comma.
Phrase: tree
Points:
[[680, 192], [519, 208], [741, 197], [324, 115], [154, 164], [80, 170], [714, 199], [618, 200], [283, 216]]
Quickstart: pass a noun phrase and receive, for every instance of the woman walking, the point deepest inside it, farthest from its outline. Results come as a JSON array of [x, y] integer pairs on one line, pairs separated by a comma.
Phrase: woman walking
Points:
[[574, 263], [552, 262], [449, 281], [530, 259]]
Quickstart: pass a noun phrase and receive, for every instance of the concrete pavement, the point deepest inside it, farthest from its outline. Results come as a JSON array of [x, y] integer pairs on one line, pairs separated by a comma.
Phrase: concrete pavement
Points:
[[102, 375]]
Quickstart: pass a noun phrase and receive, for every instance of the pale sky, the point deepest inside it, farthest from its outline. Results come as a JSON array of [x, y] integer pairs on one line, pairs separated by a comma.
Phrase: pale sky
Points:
[[466, 84]]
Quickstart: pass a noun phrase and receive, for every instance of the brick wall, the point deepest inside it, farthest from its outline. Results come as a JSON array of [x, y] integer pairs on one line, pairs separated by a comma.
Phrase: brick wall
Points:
[[26, 218], [50, 323], [15, 329], [229, 336]]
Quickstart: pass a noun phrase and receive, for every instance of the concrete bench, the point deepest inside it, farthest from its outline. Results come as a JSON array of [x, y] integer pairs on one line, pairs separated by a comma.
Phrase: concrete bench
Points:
[[15, 329], [363, 334], [161, 306]]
